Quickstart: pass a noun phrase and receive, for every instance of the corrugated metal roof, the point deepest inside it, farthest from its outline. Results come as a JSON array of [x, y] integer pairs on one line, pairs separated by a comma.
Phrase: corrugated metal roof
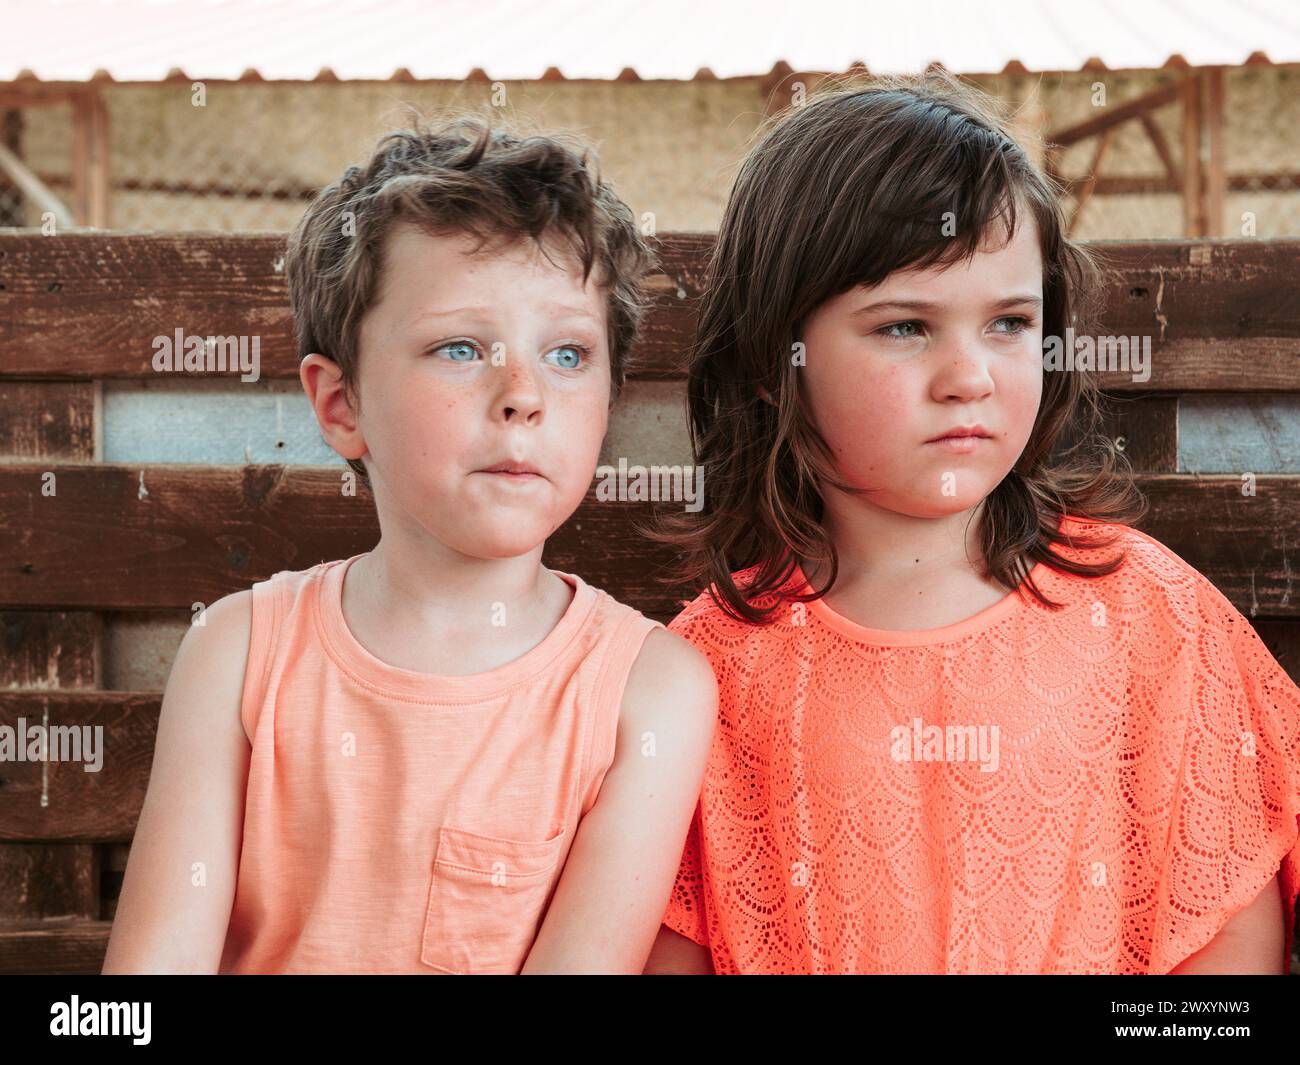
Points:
[[146, 40]]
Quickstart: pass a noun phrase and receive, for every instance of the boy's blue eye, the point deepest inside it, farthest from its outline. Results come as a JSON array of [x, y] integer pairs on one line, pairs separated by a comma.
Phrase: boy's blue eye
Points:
[[461, 345], [579, 354]]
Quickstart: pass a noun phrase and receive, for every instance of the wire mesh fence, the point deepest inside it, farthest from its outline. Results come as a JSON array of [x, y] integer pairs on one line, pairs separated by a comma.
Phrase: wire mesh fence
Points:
[[248, 156]]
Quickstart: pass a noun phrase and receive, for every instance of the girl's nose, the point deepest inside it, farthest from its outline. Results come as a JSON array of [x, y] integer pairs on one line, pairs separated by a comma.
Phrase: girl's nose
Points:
[[963, 374]]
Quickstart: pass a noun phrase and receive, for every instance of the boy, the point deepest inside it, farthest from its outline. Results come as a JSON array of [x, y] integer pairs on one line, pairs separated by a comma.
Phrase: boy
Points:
[[443, 756]]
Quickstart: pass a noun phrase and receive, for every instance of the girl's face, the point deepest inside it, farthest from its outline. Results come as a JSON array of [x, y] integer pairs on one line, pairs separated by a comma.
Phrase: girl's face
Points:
[[892, 368], [473, 360]]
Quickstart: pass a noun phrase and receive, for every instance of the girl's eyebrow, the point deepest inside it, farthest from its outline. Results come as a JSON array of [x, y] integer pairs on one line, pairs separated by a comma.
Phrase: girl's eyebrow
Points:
[[926, 305]]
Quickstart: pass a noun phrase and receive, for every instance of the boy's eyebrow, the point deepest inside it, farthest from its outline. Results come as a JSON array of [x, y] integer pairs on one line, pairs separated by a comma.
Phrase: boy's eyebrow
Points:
[[926, 305], [550, 308]]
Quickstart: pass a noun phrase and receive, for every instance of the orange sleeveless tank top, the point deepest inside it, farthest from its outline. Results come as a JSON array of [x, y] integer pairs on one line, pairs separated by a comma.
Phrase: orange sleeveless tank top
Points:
[[401, 822]]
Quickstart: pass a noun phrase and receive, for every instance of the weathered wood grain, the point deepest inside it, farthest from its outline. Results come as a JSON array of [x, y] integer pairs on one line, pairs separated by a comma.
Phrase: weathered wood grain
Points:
[[197, 533], [68, 946], [1223, 315]]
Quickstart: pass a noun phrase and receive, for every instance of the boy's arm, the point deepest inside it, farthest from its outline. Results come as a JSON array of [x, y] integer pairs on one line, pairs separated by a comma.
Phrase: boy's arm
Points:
[[676, 955], [1250, 943], [607, 907], [172, 915]]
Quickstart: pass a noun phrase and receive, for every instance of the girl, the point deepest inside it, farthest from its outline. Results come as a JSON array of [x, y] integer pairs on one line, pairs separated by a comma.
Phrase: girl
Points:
[[431, 757], [971, 721]]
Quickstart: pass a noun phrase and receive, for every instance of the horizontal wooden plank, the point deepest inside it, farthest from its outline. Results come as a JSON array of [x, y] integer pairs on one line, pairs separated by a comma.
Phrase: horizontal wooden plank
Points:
[[1223, 315], [1223, 433], [61, 800], [51, 948], [1282, 638], [105, 806], [1143, 427], [116, 537], [1245, 544], [90, 305], [166, 537], [112, 871], [49, 649], [42, 421], [43, 880]]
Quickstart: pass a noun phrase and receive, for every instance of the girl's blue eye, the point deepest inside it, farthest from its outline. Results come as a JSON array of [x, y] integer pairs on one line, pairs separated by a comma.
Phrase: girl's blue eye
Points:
[[896, 325], [463, 346], [580, 354], [1023, 324]]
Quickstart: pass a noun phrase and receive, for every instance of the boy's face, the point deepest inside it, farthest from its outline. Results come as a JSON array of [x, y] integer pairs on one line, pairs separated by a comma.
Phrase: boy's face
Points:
[[885, 381], [470, 361]]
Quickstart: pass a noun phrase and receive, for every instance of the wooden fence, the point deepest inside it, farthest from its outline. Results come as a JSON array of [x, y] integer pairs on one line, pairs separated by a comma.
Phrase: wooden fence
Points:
[[79, 309]]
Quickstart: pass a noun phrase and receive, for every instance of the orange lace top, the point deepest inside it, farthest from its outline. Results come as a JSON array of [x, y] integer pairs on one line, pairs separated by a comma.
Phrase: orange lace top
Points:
[[1094, 790]]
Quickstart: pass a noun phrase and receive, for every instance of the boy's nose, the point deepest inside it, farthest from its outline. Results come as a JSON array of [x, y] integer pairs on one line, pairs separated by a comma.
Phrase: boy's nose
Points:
[[519, 392]]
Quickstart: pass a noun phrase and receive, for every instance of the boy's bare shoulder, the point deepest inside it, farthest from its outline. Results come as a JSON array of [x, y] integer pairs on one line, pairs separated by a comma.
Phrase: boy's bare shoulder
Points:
[[666, 656], [671, 684], [227, 618], [216, 643], [207, 674]]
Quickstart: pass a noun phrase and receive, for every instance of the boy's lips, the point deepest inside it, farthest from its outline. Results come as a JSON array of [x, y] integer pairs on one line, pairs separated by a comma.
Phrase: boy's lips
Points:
[[519, 469]]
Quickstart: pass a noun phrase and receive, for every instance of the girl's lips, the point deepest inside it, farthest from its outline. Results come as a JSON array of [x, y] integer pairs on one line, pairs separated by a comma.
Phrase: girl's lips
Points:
[[958, 445]]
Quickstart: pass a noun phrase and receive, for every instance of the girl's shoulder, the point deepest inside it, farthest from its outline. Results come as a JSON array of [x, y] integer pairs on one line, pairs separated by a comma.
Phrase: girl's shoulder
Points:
[[1168, 607], [1152, 588], [1150, 576], [707, 608], [724, 637]]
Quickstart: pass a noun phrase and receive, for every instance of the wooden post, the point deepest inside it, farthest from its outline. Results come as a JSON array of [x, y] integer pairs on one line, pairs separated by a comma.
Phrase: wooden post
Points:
[[32, 187], [90, 158], [1193, 207], [1084, 193], [1029, 124], [47, 886], [11, 136], [1216, 178]]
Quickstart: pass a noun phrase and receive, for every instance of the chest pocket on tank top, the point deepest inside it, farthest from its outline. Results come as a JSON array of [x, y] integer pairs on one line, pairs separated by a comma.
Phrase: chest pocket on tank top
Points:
[[485, 900]]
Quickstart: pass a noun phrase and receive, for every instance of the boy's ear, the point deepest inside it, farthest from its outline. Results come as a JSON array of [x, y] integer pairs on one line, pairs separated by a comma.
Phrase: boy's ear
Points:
[[322, 380]]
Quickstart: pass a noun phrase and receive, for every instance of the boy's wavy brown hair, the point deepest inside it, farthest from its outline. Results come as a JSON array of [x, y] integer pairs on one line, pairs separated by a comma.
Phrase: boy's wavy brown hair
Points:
[[840, 192], [468, 173]]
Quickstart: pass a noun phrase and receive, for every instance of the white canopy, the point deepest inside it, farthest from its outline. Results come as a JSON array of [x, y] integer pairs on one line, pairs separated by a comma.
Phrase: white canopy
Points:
[[142, 40]]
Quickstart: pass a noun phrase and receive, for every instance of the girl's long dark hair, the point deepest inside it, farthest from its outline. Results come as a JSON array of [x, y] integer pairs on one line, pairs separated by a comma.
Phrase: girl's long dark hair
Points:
[[840, 192]]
